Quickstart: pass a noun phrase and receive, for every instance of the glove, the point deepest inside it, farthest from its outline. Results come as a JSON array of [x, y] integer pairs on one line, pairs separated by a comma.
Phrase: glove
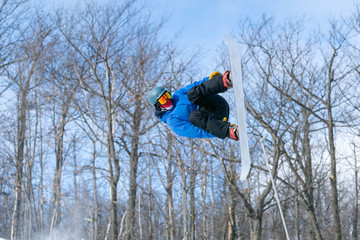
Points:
[[214, 74]]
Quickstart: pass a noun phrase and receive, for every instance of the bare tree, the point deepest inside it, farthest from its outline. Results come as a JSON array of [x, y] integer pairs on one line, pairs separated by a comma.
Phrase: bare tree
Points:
[[33, 48], [122, 57], [62, 85], [11, 18], [192, 181], [291, 68], [87, 71], [355, 218], [204, 188], [146, 65], [103, 27], [12, 14], [184, 190]]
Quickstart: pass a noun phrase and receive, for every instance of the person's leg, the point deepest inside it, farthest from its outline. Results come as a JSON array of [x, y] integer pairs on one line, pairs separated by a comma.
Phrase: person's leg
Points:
[[199, 93], [217, 106], [212, 116], [203, 120]]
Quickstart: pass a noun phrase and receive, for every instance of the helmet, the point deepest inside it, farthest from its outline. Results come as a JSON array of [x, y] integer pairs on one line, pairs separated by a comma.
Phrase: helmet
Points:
[[155, 94]]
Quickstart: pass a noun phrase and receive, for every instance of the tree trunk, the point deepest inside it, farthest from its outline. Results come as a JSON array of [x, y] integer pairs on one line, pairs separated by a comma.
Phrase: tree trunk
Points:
[[256, 230], [150, 234], [59, 150], [15, 225], [139, 217], [203, 202], [130, 218], [113, 161], [355, 220], [212, 220], [41, 186], [114, 178], [95, 211], [192, 196], [332, 152], [231, 218], [231, 232], [184, 199], [184, 210], [314, 230], [333, 183], [170, 225], [297, 211], [134, 158]]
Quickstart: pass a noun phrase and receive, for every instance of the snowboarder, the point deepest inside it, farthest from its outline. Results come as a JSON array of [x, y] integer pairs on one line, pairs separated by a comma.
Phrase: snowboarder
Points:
[[197, 111]]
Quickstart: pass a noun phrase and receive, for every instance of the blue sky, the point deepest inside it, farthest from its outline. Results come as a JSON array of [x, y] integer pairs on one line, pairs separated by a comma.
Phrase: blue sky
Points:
[[203, 23]]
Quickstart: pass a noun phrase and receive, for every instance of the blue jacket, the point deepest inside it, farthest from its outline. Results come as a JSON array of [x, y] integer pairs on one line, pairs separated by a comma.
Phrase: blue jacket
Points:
[[178, 117]]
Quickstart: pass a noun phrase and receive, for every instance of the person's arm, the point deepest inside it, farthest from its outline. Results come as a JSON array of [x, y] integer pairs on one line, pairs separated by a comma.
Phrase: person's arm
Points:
[[188, 87], [187, 129]]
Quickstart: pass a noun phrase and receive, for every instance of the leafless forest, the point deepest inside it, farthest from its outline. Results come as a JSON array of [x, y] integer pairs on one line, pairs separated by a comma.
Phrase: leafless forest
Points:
[[84, 157]]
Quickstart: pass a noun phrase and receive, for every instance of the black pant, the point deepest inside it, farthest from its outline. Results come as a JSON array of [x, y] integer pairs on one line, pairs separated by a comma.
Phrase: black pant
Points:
[[213, 113]]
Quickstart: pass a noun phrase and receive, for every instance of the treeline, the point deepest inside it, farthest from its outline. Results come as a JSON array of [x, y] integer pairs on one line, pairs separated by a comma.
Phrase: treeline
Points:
[[84, 157]]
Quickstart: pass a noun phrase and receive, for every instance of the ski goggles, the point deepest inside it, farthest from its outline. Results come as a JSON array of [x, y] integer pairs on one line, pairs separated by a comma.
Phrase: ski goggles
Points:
[[164, 98]]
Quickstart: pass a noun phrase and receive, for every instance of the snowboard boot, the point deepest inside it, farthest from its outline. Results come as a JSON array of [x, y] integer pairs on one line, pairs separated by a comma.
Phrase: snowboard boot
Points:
[[234, 132], [227, 79]]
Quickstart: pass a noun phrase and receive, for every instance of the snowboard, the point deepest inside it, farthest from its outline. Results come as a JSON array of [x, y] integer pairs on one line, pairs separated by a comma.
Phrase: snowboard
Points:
[[236, 72]]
